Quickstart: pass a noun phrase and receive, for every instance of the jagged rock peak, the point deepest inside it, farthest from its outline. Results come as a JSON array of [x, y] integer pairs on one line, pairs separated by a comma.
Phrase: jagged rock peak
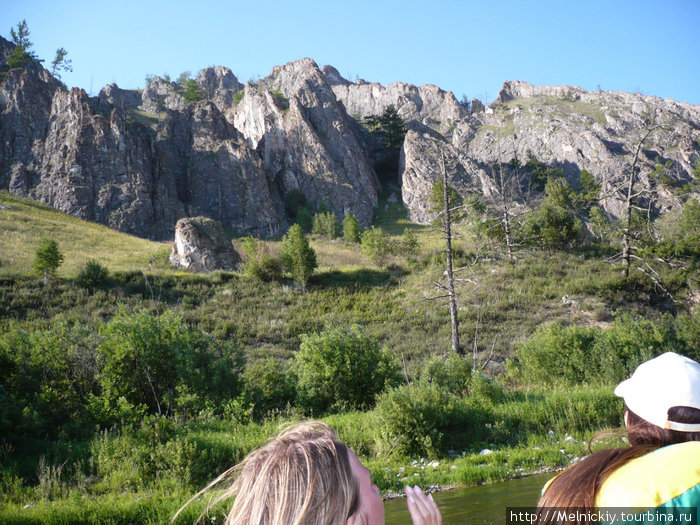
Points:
[[116, 96], [427, 104], [513, 89]]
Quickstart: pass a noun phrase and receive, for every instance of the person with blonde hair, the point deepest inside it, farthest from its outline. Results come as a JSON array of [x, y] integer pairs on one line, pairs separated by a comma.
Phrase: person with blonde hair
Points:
[[306, 476]]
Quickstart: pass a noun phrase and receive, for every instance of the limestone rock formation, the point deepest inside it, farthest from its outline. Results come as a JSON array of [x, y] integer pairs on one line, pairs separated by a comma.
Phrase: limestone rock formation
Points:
[[139, 161], [426, 104], [571, 129], [307, 141], [201, 245]]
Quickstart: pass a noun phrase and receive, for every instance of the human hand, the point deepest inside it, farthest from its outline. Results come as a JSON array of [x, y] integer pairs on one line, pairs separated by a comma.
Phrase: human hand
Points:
[[423, 509]]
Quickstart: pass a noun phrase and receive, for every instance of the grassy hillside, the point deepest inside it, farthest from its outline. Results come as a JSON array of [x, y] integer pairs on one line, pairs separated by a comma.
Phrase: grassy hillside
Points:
[[74, 449], [24, 221]]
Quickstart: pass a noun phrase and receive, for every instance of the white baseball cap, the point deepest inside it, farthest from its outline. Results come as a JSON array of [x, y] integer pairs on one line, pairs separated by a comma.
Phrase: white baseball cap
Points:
[[669, 380]]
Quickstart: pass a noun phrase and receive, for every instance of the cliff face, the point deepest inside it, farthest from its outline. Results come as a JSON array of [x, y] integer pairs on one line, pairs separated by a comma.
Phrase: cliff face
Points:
[[139, 161], [307, 141]]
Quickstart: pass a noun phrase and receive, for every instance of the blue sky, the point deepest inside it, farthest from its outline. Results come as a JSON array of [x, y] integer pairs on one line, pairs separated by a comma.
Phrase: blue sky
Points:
[[467, 47]]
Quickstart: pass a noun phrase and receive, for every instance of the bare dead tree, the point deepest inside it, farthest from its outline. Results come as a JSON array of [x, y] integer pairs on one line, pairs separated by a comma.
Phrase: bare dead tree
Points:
[[447, 231]]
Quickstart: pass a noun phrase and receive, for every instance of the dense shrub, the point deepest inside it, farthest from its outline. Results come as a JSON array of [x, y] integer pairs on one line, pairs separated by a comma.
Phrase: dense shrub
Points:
[[298, 257], [268, 386], [551, 227], [376, 245], [452, 373], [422, 418], [260, 264], [575, 354], [147, 357], [340, 369], [351, 229], [557, 354], [93, 275], [326, 224]]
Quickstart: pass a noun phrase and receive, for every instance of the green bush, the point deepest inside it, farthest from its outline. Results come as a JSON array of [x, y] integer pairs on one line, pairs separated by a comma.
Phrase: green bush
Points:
[[47, 258], [93, 275], [551, 227], [260, 264], [351, 229], [424, 419], [339, 369], [304, 219], [376, 245], [147, 357], [298, 257], [268, 386], [452, 373], [557, 354], [326, 224], [192, 92]]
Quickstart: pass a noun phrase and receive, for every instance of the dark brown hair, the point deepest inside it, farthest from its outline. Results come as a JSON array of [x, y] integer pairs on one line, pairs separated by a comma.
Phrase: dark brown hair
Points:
[[578, 486]]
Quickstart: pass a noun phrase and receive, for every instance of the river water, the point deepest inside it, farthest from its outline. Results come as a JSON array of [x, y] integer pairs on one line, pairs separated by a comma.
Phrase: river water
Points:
[[481, 505]]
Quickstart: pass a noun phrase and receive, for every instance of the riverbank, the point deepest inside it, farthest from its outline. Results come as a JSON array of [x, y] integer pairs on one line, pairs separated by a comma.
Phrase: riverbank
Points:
[[143, 475]]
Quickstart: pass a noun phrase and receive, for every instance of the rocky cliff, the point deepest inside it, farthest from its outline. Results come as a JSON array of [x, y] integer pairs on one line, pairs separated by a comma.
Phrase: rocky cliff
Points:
[[139, 161]]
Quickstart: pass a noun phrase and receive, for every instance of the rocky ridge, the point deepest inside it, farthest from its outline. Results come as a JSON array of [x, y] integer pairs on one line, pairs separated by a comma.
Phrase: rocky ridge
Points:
[[140, 161]]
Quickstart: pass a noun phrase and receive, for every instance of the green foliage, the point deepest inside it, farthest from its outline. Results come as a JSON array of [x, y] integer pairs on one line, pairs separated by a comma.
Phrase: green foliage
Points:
[[260, 264], [150, 359], [683, 239], [339, 369], [298, 257], [376, 245], [192, 92], [304, 219], [437, 197], [326, 224], [602, 227], [351, 229], [389, 126], [280, 101], [452, 373], [268, 386], [422, 419], [22, 54], [551, 227], [297, 206], [47, 258], [409, 242], [238, 96], [60, 62], [93, 275], [575, 355], [538, 173], [184, 77]]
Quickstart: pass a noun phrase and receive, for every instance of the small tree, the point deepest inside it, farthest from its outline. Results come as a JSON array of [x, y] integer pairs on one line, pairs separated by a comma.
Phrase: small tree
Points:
[[47, 258], [326, 224], [341, 369], [60, 62], [192, 92], [375, 245], [22, 54], [298, 257], [351, 229]]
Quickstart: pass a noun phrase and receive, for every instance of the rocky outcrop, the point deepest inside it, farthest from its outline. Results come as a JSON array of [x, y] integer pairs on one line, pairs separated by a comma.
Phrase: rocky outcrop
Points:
[[219, 85], [139, 161], [201, 245], [113, 95], [217, 174], [571, 129], [307, 141], [428, 104]]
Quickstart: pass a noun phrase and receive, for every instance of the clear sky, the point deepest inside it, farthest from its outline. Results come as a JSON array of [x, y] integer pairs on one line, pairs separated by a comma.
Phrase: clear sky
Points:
[[467, 47]]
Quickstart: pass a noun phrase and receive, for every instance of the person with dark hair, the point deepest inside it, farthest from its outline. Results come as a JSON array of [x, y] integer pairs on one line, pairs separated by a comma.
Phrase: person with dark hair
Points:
[[661, 467]]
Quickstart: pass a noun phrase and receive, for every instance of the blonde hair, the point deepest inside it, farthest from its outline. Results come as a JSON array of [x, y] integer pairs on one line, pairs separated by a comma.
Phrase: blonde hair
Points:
[[302, 477]]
